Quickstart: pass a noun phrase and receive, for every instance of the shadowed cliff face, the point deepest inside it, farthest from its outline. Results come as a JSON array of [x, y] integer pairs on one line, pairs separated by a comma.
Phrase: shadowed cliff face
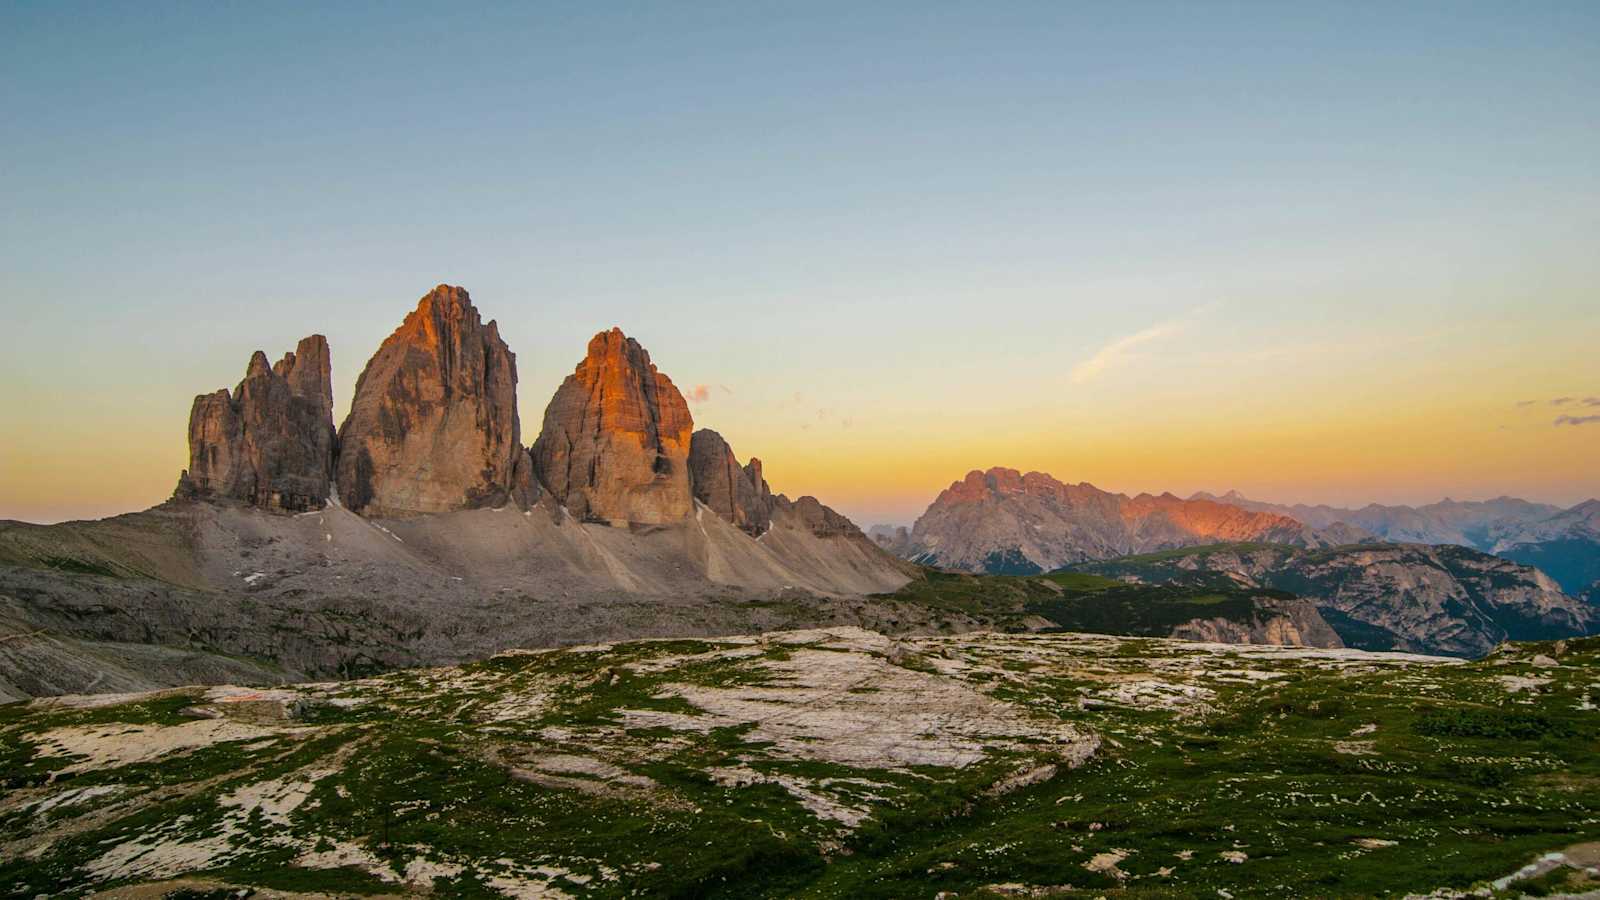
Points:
[[433, 426], [736, 493], [615, 442], [1003, 520], [270, 443]]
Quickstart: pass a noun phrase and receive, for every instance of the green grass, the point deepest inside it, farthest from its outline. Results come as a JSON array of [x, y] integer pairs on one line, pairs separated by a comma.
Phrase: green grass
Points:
[[1295, 770], [1083, 601], [79, 566]]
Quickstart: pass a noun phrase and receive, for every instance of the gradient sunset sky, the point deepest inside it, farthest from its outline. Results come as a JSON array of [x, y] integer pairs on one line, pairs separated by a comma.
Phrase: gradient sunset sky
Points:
[[1342, 253]]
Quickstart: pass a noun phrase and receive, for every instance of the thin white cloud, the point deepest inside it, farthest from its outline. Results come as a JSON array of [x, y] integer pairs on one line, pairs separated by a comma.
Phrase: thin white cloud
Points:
[[1120, 349]]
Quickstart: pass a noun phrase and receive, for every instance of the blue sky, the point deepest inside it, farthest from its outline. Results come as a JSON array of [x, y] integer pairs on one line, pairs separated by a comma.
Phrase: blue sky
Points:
[[891, 234]]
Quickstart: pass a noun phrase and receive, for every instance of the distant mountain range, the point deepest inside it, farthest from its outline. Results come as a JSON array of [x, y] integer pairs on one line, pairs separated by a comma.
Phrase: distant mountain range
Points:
[[1430, 599], [1564, 543], [1384, 577], [1004, 522]]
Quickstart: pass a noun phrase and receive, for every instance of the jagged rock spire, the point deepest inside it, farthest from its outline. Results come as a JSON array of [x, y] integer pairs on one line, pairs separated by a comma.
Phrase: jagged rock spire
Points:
[[615, 442], [737, 494], [271, 442], [433, 426]]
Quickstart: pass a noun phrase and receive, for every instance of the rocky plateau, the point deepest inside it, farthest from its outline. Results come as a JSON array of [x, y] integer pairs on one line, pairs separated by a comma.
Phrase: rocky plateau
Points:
[[826, 763]]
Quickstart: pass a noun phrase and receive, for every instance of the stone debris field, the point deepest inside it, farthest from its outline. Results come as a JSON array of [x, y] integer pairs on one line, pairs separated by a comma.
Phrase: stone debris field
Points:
[[829, 763]]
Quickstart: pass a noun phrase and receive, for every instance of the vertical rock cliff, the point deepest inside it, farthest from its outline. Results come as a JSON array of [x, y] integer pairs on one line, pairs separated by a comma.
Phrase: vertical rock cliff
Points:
[[271, 442], [736, 493], [433, 425], [616, 436]]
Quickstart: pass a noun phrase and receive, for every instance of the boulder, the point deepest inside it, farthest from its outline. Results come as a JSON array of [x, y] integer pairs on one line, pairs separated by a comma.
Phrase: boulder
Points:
[[433, 426], [271, 442], [615, 443]]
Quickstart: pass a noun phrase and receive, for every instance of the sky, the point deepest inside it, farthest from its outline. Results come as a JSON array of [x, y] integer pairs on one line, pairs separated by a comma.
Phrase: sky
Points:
[[1314, 252]]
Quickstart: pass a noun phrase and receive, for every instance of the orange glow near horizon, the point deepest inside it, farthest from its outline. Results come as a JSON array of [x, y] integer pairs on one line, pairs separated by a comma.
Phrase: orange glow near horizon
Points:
[[1469, 415]]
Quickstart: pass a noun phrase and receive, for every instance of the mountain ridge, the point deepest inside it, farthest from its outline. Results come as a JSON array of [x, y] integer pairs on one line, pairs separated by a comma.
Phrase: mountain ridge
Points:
[[1564, 542], [1384, 596], [1003, 521]]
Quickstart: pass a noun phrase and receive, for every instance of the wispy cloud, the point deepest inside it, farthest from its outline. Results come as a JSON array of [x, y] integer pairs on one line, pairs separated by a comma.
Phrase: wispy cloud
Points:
[[1560, 401], [1121, 349], [1576, 420]]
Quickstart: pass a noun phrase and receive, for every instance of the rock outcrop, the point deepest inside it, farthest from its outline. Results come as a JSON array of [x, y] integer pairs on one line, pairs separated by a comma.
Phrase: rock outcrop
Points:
[[894, 539], [271, 442], [433, 426], [736, 493], [615, 443], [821, 520], [1002, 521], [741, 495], [1284, 623]]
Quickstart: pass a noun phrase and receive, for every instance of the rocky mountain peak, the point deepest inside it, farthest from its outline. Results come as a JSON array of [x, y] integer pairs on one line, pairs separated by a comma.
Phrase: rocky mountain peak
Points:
[[616, 438], [438, 315], [433, 426], [737, 494], [997, 482], [271, 442], [753, 471], [258, 367], [308, 370], [823, 521], [1002, 520]]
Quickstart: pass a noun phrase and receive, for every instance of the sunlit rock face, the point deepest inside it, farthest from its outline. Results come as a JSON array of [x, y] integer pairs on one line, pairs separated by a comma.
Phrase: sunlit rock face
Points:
[[736, 493], [271, 442], [433, 426], [615, 442], [1004, 521]]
